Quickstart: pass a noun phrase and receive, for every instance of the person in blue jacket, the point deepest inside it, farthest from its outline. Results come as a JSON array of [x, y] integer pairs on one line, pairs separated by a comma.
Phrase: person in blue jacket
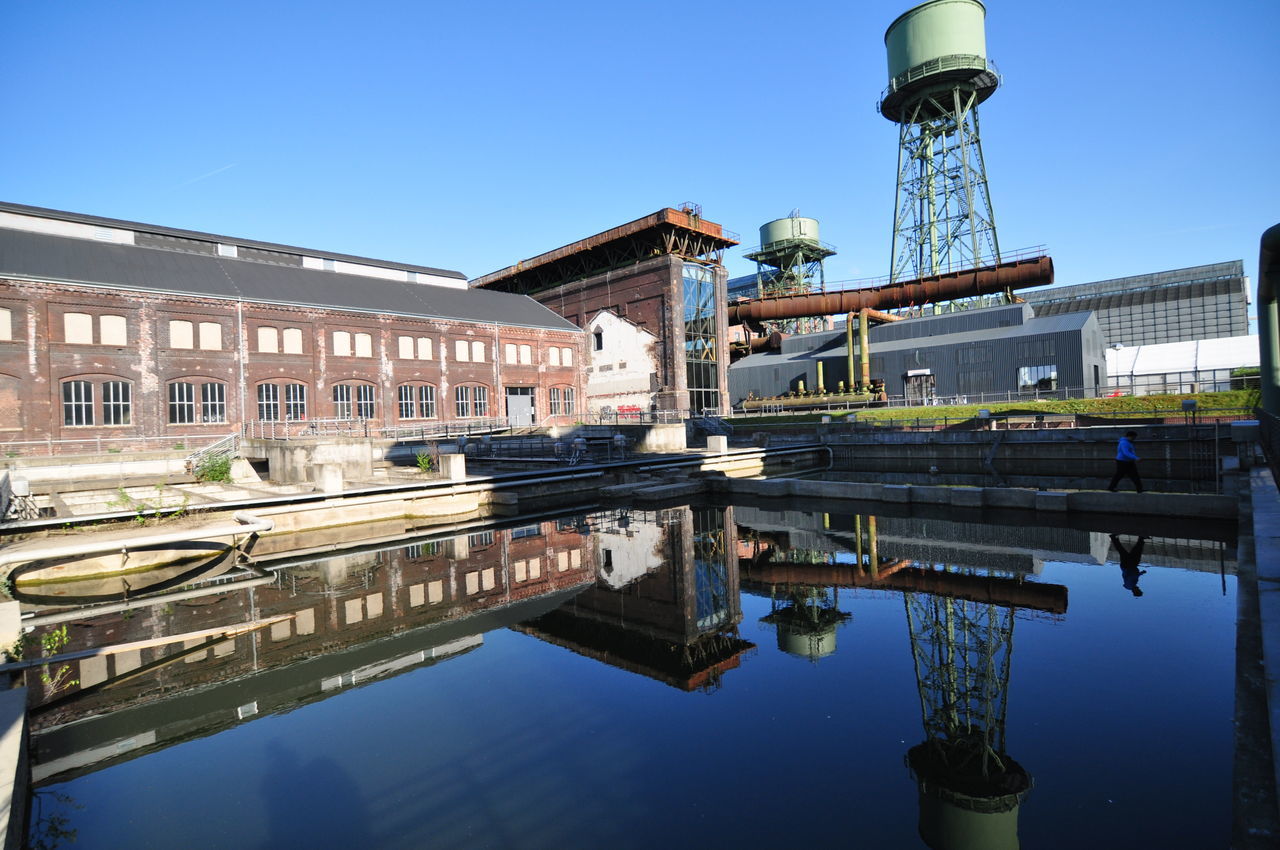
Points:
[[1126, 462]]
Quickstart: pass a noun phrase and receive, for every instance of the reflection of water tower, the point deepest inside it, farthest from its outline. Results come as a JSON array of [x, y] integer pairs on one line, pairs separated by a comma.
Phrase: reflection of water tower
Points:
[[789, 262], [806, 619], [970, 787], [938, 74]]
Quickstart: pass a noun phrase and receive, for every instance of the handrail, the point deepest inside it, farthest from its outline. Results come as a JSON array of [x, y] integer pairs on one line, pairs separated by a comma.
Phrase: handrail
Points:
[[245, 524]]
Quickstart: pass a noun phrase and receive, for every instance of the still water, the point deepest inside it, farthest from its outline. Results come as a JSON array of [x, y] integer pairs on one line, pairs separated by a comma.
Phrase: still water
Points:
[[687, 677]]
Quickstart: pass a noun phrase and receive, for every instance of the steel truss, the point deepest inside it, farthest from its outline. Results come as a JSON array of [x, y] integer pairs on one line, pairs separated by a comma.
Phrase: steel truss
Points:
[[943, 220], [962, 651]]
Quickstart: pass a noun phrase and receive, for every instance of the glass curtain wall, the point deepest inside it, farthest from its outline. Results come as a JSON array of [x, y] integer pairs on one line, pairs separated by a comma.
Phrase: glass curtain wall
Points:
[[700, 339]]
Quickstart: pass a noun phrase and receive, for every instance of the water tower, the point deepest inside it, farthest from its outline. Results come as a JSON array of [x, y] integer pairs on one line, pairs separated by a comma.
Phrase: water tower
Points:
[[938, 74], [789, 262]]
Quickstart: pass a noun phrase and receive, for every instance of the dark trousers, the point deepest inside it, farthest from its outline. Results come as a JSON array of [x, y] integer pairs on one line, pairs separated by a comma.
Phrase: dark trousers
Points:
[[1126, 469]]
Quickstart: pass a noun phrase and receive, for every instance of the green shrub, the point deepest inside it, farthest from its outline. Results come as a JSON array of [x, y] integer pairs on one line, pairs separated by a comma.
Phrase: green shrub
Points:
[[425, 462], [214, 468]]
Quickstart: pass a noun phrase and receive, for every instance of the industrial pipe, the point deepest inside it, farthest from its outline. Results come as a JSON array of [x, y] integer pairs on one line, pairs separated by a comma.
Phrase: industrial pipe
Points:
[[1269, 319], [864, 347], [1015, 274]]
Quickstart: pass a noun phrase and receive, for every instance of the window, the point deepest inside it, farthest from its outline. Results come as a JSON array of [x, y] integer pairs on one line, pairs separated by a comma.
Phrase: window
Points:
[[117, 403], [112, 330], [364, 401], [510, 352], [477, 352], [293, 340], [427, 401], [597, 338], [342, 401], [295, 401], [211, 336], [415, 348], [364, 345], [6, 324], [1037, 378], [554, 356], [213, 402], [562, 401], [268, 340], [341, 344], [461, 350], [77, 403], [268, 402], [417, 401], [566, 357], [424, 348], [182, 403], [481, 538], [77, 328], [406, 347], [471, 401], [181, 334], [526, 355]]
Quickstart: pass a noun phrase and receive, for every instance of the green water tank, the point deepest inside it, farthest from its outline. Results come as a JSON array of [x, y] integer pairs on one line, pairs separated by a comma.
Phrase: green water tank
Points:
[[793, 228], [936, 30], [941, 44]]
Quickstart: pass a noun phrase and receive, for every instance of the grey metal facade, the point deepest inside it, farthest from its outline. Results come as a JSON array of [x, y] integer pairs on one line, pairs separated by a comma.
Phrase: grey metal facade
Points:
[[1200, 302], [968, 353]]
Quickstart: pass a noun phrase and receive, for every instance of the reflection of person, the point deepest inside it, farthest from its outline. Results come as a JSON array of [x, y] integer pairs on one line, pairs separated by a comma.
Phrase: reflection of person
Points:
[[1126, 462], [1130, 560]]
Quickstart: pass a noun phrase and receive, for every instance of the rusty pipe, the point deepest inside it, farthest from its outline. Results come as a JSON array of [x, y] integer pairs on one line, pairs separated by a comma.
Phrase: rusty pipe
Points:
[[864, 347], [1015, 274]]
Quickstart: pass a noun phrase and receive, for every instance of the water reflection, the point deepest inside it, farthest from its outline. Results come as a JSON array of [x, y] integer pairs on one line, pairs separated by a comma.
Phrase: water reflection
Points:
[[657, 593], [1130, 559], [217, 654], [666, 604]]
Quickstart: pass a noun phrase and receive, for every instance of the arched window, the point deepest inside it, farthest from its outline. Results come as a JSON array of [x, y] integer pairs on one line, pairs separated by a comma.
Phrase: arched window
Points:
[[293, 340], [471, 400], [181, 334], [416, 401], [562, 401], [354, 401], [183, 408]]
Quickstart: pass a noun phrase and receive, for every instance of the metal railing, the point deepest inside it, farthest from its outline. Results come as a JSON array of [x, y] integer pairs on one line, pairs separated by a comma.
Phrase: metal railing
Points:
[[228, 446], [103, 445], [1018, 421]]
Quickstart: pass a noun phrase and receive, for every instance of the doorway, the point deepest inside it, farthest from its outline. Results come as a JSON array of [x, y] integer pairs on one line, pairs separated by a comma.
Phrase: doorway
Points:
[[919, 387], [520, 407]]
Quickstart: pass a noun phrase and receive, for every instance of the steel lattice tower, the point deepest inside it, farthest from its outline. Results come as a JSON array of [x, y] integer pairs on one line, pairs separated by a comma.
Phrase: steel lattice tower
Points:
[[938, 74]]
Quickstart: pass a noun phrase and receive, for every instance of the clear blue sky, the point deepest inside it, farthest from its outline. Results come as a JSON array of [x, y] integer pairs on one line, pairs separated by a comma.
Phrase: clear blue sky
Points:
[[1129, 136]]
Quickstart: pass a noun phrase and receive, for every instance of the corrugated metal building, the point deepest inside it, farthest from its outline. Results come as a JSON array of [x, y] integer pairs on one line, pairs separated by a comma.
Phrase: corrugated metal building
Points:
[[1005, 350], [1199, 302]]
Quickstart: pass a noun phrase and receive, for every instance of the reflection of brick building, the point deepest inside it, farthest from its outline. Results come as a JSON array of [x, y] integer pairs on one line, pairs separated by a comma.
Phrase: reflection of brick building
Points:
[[427, 594], [118, 329], [651, 295], [673, 614]]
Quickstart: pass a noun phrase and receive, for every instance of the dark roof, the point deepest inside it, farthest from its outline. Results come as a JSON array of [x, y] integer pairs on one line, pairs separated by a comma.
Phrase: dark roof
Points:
[[80, 218], [64, 259]]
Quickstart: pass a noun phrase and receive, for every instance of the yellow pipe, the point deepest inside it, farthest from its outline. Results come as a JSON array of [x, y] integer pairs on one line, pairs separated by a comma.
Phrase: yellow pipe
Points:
[[822, 387], [848, 344], [864, 345]]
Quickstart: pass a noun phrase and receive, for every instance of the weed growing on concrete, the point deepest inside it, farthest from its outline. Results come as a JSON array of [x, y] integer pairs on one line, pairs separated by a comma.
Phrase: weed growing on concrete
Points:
[[426, 462], [214, 468], [52, 643]]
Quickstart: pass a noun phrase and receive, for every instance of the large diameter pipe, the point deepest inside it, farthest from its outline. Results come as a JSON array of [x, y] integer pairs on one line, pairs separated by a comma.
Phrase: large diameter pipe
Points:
[[864, 347], [1269, 319], [1016, 274]]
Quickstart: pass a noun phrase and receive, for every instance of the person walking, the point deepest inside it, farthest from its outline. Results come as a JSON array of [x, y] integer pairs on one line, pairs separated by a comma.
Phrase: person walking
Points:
[[1126, 462]]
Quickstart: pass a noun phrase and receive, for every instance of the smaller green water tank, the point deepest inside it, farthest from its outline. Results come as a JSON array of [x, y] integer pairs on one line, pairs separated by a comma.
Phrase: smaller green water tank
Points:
[[792, 228]]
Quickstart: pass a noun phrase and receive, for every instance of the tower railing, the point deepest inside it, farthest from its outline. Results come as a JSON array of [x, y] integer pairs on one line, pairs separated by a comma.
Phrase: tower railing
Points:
[[954, 62]]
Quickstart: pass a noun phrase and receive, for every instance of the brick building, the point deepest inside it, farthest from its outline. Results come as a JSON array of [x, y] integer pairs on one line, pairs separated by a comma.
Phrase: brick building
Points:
[[118, 329], [651, 296]]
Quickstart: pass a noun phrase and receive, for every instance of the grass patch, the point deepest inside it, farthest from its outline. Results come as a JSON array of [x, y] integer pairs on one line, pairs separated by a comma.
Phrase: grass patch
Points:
[[1206, 402]]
